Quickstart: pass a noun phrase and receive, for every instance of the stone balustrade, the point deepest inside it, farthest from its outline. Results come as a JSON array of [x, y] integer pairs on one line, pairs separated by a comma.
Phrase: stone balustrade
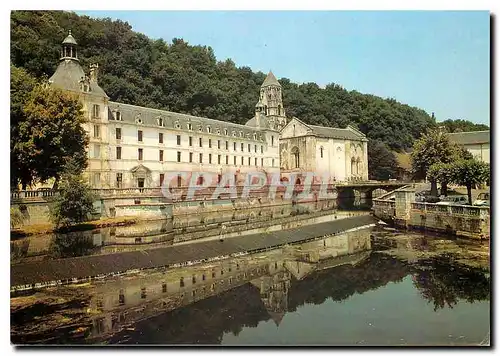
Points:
[[461, 210]]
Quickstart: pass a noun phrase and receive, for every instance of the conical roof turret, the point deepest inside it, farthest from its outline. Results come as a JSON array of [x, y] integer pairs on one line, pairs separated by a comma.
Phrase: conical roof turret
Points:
[[270, 80]]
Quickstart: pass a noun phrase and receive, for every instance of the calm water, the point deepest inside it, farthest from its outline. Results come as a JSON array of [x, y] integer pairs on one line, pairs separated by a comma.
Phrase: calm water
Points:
[[368, 287]]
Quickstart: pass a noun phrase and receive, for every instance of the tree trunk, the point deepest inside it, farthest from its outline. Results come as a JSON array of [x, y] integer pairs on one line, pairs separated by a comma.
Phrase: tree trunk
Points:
[[434, 188], [444, 188], [469, 193]]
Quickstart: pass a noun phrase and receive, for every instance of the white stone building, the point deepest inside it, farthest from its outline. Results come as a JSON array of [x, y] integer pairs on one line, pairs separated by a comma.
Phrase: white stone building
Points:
[[133, 146], [339, 154], [476, 142]]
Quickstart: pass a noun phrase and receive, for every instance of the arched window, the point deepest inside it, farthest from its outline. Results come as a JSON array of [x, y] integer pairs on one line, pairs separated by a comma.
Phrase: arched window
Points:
[[353, 166], [279, 109], [296, 157], [265, 109]]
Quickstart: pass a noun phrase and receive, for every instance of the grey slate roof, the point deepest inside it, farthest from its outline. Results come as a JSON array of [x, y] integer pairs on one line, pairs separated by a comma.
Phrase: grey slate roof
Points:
[[270, 80], [68, 75], [470, 137], [331, 132], [150, 117]]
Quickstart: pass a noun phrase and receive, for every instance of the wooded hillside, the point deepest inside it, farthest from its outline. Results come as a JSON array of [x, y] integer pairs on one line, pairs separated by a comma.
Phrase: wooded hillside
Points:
[[184, 78]]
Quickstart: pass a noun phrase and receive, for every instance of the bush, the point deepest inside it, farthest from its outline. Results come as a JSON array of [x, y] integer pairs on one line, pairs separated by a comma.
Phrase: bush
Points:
[[16, 218], [74, 203]]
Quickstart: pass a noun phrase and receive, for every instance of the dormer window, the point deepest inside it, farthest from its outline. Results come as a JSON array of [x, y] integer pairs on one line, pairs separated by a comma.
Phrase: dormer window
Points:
[[255, 136], [177, 125], [209, 129], [159, 120], [234, 133], [200, 128], [138, 119], [218, 131], [190, 126], [118, 116], [241, 133], [225, 132]]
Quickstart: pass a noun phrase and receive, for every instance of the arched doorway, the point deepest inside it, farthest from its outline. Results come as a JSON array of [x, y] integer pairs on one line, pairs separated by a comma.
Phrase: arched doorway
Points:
[[296, 157]]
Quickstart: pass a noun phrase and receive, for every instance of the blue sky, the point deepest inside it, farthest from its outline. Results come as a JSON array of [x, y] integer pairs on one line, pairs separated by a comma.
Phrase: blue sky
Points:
[[438, 61]]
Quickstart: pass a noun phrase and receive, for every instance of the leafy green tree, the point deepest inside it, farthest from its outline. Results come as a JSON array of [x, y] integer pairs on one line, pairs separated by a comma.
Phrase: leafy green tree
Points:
[[469, 173], [382, 164], [48, 134], [21, 85], [433, 147], [462, 126], [16, 218], [75, 200], [442, 173]]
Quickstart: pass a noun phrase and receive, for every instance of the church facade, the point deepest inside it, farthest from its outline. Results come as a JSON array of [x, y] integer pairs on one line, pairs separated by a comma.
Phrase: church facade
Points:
[[132, 146]]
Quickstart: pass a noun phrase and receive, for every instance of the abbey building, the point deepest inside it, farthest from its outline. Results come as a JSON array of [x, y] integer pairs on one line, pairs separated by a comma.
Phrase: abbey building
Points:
[[133, 146]]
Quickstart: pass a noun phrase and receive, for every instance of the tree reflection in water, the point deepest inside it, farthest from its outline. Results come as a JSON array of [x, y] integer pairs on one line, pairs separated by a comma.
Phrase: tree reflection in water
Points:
[[443, 282], [71, 244]]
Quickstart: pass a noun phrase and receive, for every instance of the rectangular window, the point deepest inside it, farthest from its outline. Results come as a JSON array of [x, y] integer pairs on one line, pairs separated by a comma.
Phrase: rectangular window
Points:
[[273, 162], [227, 145], [234, 146], [201, 142], [164, 288], [97, 151], [190, 141], [118, 153], [218, 144], [262, 162], [201, 157], [218, 159], [118, 133], [234, 160], [95, 111], [119, 179], [249, 148], [161, 155], [209, 158], [97, 131], [179, 180], [97, 179], [139, 154], [249, 161], [178, 140], [190, 157], [242, 160], [242, 147], [272, 140], [261, 149], [160, 137], [255, 160], [209, 143], [178, 156], [255, 148], [227, 159], [162, 178], [139, 135]]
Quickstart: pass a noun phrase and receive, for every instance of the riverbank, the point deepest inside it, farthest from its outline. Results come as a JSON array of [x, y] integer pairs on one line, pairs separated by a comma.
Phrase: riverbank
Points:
[[78, 269], [41, 229]]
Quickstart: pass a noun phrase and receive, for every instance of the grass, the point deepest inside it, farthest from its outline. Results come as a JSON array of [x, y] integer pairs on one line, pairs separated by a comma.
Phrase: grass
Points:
[[38, 229]]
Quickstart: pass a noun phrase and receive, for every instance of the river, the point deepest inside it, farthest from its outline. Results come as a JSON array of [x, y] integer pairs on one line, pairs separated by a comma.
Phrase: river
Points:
[[372, 286]]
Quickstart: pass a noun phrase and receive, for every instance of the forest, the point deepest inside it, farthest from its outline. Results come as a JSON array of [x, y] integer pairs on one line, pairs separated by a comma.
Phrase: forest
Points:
[[186, 78]]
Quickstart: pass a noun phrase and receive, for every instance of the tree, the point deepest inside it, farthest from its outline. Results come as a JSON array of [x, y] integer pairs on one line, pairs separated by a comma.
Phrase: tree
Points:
[[48, 133], [442, 173], [433, 147], [75, 200], [462, 126], [21, 85], [470, 172], [382, 164]]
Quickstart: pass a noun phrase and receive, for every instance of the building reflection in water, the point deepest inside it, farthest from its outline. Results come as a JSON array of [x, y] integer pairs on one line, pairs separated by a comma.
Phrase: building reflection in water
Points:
[[126, 300]]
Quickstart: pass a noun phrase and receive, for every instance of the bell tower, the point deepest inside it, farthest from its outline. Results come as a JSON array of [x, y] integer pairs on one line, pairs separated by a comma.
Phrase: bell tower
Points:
[[271, 101], [68, 49]]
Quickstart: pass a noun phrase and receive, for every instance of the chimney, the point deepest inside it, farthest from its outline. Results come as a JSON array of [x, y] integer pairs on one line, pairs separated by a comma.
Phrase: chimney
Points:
[[94, 71]]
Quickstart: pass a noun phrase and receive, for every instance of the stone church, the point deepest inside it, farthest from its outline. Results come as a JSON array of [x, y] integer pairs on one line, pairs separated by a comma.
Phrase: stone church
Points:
[[132, 146]]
